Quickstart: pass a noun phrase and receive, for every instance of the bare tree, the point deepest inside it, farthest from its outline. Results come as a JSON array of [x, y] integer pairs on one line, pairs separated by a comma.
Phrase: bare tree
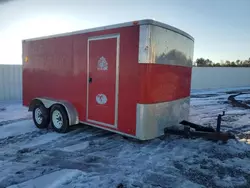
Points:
[[201, 62]]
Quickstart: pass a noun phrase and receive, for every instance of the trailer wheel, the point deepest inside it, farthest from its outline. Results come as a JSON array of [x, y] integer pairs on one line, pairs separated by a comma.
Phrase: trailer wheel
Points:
[[40, 116], [59, 119]]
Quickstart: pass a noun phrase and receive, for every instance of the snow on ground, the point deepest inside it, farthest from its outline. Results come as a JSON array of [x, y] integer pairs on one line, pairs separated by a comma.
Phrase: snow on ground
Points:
[[91, 157], [12, 112]]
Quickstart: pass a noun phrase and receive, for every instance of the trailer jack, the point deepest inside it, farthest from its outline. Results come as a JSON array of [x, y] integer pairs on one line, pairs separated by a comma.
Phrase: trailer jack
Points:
[[202, 131]]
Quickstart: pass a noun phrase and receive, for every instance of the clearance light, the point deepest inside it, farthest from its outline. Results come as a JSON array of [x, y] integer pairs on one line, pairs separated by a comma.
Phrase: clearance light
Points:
[[135, 23], [26, 59]]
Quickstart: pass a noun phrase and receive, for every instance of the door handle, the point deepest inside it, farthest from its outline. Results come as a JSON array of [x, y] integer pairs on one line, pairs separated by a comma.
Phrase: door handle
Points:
[[90, 80]]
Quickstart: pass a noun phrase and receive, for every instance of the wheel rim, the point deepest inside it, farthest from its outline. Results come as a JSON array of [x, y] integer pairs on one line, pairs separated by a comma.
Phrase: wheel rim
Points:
[[38, 116], [57, 119]]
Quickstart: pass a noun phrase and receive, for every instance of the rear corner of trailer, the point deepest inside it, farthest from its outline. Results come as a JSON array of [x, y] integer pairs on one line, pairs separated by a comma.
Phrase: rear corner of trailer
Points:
[[25, 82], [165, 61], [32, 67]]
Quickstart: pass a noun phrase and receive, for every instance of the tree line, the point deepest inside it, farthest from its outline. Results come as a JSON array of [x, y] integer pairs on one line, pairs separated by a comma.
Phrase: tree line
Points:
[[201, 62]]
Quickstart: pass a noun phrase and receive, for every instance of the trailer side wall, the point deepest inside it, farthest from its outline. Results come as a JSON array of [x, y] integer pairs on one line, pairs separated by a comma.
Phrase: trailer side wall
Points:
[[57, 68]]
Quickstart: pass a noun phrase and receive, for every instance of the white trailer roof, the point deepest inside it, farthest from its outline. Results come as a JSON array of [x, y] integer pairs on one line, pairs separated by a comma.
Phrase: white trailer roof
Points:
[[126, 24]]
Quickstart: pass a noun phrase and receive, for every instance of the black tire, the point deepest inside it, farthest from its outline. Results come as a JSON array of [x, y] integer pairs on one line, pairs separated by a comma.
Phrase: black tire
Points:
[[59, 119], [41, 116]]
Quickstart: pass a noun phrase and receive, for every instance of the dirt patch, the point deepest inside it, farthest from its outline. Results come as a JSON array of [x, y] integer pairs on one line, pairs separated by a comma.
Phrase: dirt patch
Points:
[[223, 102], [25, 150], [244, 136], [238, 103], [2, 109], [21, 138], [238, 91], [13, 121], [204, 95]]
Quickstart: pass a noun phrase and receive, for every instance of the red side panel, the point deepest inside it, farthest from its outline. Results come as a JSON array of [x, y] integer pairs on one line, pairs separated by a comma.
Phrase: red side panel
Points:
[[57, 68], [163, 83]]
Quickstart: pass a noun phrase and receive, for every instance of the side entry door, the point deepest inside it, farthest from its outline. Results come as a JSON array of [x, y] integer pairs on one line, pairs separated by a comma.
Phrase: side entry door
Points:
[[102, 78]]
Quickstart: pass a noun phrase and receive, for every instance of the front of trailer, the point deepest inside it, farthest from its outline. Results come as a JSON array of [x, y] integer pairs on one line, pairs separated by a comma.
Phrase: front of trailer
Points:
[[165, 68]]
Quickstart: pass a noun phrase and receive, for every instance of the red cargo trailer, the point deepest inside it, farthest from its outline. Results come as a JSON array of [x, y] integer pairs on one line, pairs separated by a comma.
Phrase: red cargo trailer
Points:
[[132, 78]]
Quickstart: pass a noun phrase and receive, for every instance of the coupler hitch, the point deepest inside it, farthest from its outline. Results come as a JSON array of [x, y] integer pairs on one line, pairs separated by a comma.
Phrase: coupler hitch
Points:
[[201, 131]]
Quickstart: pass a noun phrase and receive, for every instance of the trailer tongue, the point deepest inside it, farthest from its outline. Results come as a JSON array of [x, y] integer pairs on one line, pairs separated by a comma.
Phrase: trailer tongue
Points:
[[201, 131]]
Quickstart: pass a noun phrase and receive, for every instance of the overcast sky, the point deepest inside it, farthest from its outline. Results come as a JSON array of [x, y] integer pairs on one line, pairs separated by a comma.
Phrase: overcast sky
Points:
[[221, 28]]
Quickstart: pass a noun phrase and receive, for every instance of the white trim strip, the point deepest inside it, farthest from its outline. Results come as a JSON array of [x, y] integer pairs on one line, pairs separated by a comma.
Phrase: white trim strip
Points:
[[114, 26], [117, 79], [108, 129], [100, 123], [87, 99], [100, 37], [103, 37]]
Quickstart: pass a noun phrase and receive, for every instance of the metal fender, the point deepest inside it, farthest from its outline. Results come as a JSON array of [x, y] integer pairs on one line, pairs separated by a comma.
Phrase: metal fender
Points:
[[48, 102]]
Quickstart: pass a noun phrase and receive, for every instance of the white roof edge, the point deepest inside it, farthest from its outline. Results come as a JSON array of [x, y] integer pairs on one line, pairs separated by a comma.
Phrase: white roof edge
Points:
[[163, 25], [126, 24]]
